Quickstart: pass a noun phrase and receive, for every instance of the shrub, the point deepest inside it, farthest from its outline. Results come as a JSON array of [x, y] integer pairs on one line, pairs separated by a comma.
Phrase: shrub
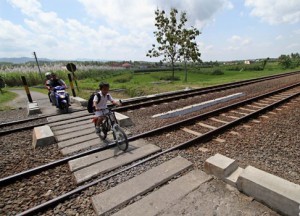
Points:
[[123, 78], [170, 78], [217, 72]]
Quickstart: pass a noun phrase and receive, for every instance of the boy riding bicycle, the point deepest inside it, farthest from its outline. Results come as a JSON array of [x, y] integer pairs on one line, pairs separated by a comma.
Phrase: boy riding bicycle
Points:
[[101, 105]]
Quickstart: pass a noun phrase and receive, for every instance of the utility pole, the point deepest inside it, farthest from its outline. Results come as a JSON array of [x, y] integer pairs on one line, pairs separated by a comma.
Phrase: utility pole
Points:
[[38, 65]]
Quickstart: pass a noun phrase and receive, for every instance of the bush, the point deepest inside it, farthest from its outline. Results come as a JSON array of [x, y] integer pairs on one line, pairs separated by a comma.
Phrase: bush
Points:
[[170, 78], [217, 72], [156, 70], [123, 78]]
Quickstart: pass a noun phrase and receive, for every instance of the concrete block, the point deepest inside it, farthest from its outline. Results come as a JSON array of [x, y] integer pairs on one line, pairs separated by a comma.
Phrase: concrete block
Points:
[[196, 107], [232, 178], [33, 108], [105, 166], [123, 120], [42, 136], [165, 196], [220, 166], [141, 184], [279, 194], [78, 100]]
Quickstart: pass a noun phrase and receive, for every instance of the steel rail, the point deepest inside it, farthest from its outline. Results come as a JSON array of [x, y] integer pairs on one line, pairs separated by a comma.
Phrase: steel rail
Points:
[[201, 138], [32, 119], [37, 125], [162, 98], [12, 178], [260, 79]]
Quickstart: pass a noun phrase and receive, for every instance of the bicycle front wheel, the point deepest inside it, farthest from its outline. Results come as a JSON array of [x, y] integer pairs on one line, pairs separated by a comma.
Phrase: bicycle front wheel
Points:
[[103, 132], [121, 138]]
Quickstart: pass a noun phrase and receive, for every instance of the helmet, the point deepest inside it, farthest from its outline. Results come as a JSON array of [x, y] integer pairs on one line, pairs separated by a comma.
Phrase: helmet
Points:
[[47, 74]]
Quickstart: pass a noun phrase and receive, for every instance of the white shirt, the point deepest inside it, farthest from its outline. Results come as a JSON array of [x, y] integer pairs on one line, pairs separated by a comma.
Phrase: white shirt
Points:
[[102, 103]]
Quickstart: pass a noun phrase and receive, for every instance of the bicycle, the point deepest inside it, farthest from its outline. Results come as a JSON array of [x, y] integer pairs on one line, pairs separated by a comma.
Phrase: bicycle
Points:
[[110, 122]]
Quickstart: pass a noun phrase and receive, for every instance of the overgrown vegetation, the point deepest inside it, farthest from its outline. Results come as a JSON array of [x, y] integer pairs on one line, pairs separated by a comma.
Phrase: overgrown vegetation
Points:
[[137, 84], [5, 97]]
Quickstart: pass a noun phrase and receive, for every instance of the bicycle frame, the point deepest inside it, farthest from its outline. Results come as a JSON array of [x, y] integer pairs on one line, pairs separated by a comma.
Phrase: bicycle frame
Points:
[[110, 120], [111, 123]]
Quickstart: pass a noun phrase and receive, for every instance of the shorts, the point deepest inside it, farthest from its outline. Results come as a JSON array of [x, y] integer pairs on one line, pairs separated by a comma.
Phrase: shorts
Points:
[[101, 112]]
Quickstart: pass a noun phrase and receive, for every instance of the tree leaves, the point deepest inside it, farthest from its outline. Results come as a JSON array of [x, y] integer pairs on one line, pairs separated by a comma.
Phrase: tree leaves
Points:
[[175, 42]]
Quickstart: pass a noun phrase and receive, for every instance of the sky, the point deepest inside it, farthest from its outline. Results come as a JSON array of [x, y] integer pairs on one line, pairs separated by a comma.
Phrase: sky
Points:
[[123, 29]]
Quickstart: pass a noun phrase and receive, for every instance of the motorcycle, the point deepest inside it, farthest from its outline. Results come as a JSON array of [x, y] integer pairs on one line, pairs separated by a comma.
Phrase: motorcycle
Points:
[[62, 98]]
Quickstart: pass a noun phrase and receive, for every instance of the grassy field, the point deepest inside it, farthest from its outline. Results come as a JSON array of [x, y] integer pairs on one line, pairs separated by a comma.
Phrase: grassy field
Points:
[[6, 96], [133, 84]]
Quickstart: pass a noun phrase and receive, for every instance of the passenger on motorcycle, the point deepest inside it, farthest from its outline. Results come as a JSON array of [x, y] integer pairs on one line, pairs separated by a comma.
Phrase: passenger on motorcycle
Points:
[[100, 107], [47, 84], [56, 82]]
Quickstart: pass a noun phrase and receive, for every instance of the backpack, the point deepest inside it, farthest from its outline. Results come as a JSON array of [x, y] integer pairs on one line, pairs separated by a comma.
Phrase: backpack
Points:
[[90, 107]]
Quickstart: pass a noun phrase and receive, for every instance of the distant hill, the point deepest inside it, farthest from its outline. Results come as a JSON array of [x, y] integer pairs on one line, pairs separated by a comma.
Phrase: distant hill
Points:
[[21, 60]]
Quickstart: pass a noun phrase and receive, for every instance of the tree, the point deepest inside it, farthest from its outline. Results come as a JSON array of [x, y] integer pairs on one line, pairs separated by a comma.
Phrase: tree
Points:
[[265, 62], [188, 47], [173, 39], [285, 61], [295, 58]]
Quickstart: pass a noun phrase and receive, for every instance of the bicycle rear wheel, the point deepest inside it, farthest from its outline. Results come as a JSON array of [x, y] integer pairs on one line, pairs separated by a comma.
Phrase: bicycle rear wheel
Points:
[[121, 138]]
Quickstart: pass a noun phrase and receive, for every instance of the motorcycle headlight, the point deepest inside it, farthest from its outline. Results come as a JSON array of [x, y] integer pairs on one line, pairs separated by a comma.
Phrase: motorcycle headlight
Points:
[[61, 96]]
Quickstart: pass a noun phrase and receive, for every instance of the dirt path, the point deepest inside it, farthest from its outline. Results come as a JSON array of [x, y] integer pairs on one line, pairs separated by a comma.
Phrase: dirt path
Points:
[[21, 101]]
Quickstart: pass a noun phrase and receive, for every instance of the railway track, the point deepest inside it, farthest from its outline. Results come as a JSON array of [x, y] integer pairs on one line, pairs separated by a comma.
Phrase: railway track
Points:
[[146, 101], [239, 112]]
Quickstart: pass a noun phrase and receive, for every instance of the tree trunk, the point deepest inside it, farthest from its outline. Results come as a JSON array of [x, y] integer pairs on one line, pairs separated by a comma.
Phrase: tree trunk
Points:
[[185, 77], [173, 70]]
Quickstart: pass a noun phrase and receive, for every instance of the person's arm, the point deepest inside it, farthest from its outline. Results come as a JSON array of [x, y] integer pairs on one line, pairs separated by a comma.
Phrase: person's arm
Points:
[[62, 83], [47, 84], [95, 100], [113, 101]]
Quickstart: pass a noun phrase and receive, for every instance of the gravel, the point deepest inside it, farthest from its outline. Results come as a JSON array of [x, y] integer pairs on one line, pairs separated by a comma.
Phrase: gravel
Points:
[[272, 145]]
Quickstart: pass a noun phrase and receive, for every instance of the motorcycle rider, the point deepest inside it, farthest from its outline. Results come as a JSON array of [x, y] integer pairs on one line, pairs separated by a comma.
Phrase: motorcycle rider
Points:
[[55, 81], [47, 84]]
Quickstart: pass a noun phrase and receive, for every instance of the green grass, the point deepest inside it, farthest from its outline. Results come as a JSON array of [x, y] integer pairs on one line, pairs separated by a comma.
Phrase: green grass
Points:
[[5, 97], [138, 84]]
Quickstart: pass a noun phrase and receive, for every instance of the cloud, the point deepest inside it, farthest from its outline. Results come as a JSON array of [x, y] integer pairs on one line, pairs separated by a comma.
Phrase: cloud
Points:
[[117, 29], [135, 14], [17, 42], [235, 39], [275, 11], [278, 37]]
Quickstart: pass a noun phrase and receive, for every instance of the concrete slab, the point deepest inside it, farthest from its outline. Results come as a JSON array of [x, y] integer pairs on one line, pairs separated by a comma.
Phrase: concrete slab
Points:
[[78, 100], [206, 126], [69, 121], [97, 157], [85, 144], [68, 116], [70, 125], [77, 140], [196, 107], [87, 173], [165, 196], [33, 108], [81, 146], [72, 135], [220, 166], [123, 120], [232, 178], [279, 194], [42, 136], [73, 129], [138, 185]]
